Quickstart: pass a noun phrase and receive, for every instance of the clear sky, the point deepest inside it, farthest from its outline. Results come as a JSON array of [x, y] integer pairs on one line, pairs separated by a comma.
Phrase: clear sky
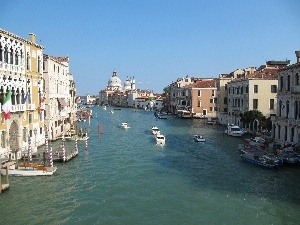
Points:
[[156, 41]]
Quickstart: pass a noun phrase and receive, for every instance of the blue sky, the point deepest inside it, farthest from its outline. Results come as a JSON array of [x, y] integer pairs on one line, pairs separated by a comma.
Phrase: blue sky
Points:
[[156, 41]]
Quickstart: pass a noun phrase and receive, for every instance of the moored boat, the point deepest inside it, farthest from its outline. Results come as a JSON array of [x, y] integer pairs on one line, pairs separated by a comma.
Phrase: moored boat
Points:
[[27, 169], [260, 160], [234, 130]]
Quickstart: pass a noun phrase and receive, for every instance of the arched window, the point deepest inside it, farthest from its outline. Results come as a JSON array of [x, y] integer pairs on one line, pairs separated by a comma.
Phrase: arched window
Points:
[[1, 52], [5, 54], [11, 54], [280, 108], [281, 83], [287, 109], [16, 58], [28, 61]]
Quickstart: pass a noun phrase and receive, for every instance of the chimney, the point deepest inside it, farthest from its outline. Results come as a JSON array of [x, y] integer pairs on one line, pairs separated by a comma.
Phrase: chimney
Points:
[[32, 37], [297, 56]]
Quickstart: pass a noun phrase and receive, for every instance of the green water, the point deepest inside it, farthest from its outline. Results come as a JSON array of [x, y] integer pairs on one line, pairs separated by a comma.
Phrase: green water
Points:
[[124, 178]]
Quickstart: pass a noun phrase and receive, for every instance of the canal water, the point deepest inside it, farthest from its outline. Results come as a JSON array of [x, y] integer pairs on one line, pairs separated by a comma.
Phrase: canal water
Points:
[[124, 178]]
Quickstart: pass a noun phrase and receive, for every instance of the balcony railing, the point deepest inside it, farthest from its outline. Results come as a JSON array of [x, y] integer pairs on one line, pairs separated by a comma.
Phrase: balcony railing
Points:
[[18, 108], [295, 89]]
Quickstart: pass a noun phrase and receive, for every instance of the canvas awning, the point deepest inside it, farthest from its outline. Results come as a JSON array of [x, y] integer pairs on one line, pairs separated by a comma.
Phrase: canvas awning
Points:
[[62, 101]]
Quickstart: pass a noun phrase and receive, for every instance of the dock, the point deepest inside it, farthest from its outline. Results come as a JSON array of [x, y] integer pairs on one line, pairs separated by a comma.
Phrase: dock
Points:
[[59, 156], [6, 185]]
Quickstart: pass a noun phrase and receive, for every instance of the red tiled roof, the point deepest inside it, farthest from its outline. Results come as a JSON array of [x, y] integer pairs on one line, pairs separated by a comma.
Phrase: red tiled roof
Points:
[[266, 73], [203, 83]]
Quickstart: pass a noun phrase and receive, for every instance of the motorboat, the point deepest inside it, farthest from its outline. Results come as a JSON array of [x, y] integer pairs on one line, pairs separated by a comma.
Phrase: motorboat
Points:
[[124, 125], [27, 169], [234, 130], [199, 138], [160, 139], [260, 160], [154, 130], [111, 111], [184, 114], [209, 121]]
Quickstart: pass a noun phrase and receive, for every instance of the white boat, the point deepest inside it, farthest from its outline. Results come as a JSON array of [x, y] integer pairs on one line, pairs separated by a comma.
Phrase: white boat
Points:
[[184, 114], [199, 138], [104, 107], [160, 139], [111, 111], [154, 130], [234, 130], [209, 121], [27, 169], [125, 125]]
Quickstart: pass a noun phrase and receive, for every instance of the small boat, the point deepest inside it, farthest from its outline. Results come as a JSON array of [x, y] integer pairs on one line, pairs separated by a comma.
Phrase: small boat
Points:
[[260, 160], [117, 109], [234, 130], [27, 169], [125, 125], [160, 139], [111, 111], [154, 130], [209, 121], [104, 107], [199, 138]]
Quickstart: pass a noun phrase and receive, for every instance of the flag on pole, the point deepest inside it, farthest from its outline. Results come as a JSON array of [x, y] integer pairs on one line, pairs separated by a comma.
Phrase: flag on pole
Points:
[[25, 98], [7, 105]]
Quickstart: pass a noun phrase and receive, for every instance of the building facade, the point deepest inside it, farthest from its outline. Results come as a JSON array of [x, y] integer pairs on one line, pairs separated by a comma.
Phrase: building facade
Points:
[[21, 74], [286, 123]]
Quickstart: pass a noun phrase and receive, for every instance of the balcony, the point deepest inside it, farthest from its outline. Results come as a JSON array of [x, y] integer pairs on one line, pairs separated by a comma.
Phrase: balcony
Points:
[[18, 108], [295, 89]]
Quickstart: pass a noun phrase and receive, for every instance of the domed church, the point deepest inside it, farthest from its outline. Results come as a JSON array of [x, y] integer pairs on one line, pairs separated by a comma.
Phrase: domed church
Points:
[[115, 83]]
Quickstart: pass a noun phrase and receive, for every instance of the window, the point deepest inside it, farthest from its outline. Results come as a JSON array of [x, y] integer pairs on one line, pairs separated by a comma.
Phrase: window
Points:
[[255, 103], [255, 88], [273, 88], [281, 84], [1, 51], [211, 101], [212, 92], [247, 89], [16, 58], [225, 87], [30, 118], [271, 103], [297, 79], [28, 61], [242, 90], [5, 55], [39, 64], [199, 92], [225, 100], [11, 56], [288, 83], [199, 103]]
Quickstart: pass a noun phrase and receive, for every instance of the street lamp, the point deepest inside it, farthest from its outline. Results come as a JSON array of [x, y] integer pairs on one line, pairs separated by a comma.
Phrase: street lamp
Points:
[[35, 133]]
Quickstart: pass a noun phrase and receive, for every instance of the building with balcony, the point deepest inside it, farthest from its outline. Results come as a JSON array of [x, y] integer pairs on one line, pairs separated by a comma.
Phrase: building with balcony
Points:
[[286, 123], [258, 91], [21, 74], [60, 97]]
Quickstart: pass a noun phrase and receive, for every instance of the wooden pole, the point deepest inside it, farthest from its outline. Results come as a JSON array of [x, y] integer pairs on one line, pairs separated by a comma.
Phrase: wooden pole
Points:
[[7, 180], [0, 183]]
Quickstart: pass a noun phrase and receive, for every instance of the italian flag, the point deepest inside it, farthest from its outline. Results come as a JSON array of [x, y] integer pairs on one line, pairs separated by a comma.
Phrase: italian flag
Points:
[[7, 105]]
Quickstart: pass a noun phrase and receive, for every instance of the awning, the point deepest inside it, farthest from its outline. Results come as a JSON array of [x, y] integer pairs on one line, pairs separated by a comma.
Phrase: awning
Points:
[[62, 101]]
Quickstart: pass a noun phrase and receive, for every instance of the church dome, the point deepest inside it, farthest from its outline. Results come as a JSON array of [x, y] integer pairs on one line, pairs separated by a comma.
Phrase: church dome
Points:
[[127, 84], [114, 81]]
